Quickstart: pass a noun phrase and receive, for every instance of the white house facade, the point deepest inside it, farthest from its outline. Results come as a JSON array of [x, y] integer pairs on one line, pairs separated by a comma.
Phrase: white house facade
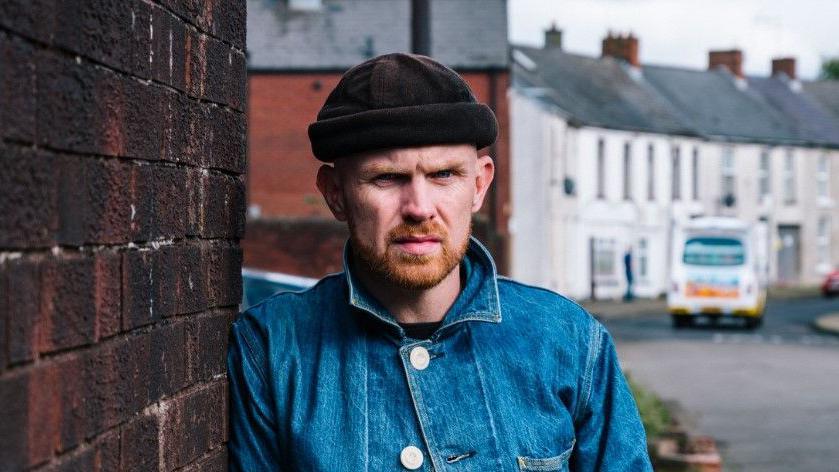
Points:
[[607, 156]]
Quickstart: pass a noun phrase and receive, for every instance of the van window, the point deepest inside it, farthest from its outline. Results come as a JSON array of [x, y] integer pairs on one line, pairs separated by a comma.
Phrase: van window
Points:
[[714, 252]]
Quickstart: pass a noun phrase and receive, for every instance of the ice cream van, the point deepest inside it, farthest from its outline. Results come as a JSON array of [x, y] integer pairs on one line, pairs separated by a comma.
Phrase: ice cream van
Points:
[[716, 271]]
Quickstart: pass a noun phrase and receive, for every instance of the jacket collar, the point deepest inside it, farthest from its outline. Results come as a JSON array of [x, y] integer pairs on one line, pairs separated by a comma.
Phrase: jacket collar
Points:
[[477, 301]]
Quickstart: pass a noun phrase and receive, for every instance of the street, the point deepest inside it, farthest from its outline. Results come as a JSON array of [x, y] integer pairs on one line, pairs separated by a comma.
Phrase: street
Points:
[[770, 397]]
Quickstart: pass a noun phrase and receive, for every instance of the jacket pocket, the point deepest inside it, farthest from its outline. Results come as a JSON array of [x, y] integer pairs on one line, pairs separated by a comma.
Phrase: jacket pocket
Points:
[[550, 464]]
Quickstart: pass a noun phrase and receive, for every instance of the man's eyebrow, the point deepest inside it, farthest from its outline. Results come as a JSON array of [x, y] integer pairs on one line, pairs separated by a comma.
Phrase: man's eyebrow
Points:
[[375, 169]]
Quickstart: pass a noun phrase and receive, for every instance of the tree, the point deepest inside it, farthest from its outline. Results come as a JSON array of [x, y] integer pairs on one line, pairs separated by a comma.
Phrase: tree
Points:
[[830, 69]]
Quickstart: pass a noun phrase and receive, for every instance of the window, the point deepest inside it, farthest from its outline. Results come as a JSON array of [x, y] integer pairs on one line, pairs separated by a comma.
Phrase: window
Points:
[[764, 176], [601, 168], [604, 257], [676, 178], [304, 5], [789, 178], [650, 172], [694, 176], [712, 251], [643, 259], [823, 177], [627, 171], [729, 180], [823, 240]]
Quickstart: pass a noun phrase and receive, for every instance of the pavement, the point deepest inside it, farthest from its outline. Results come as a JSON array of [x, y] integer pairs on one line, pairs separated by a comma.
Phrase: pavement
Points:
[[828, 323]]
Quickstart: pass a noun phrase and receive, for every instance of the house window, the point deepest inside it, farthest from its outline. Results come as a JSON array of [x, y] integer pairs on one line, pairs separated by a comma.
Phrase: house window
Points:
[[764, 176], [676, 178], [789, 178], [650, 172], [601, 168], [627, 171], [823, 240], [729, 180], [604, 257], [643, 258], [823, 177], [305, 5], [694, 176]]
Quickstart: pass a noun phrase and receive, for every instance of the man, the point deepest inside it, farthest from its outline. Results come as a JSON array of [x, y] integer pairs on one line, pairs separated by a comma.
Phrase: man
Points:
[[417, 356]]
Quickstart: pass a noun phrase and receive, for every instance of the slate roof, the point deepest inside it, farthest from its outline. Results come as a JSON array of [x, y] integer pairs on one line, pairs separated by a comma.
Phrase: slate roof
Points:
[[598, 92], [465, 34], [608, 93]]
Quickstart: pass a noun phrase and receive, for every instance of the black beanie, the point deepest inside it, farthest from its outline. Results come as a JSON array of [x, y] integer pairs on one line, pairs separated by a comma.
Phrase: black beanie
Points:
[[399, 100]]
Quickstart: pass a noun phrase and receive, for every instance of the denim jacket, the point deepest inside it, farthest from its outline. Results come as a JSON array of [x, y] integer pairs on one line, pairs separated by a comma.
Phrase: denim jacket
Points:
[[516, 378]]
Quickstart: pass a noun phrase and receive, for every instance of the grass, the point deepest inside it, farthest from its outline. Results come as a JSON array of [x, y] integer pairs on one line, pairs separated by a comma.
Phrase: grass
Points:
[[655, 415]]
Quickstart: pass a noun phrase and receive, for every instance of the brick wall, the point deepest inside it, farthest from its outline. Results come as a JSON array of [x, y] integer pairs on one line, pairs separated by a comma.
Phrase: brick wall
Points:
[[122, 139], [281, 174]]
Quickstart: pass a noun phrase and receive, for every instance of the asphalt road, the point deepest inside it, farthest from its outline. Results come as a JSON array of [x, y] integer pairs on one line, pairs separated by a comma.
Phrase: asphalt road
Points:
[[770, 396]]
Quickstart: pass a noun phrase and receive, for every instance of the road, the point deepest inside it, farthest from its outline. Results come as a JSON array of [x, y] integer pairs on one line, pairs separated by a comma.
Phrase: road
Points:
[[770, 397]]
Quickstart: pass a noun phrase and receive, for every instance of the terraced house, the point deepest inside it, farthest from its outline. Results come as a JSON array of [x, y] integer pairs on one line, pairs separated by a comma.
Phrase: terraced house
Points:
[[608, 154]]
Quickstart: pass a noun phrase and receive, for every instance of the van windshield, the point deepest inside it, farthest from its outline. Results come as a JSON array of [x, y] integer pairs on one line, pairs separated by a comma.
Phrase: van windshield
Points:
[[714, 252]]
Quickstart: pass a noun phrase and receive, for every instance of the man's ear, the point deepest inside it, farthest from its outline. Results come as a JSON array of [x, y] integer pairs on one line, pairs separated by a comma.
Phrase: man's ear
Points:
[[483, 178], [329, 184]]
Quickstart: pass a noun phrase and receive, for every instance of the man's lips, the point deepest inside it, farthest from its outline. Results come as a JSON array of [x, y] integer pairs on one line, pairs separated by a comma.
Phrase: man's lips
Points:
[[418, 245]]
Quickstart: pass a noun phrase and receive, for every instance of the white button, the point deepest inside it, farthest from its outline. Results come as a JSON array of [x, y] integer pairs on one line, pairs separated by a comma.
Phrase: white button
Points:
[[411, 458], [420, 358]]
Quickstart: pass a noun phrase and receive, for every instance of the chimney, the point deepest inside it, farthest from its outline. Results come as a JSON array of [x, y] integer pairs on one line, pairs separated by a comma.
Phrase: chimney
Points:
[[553, 38], [622, 47], [731, 60], [785, 65]]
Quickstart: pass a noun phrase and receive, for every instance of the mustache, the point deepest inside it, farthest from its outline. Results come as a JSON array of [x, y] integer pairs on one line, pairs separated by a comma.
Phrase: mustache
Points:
[[419, 230]]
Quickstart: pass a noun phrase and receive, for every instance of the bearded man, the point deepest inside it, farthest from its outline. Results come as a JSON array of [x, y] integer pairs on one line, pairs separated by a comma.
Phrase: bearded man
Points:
[[418, 356]]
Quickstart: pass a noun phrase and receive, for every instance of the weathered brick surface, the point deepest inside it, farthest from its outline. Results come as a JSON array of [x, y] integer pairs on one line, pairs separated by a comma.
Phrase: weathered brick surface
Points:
[[122, 140]]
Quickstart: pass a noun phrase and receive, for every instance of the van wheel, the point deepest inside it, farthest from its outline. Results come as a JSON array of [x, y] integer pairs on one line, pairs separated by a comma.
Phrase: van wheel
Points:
[[681, 321], [754, 323]]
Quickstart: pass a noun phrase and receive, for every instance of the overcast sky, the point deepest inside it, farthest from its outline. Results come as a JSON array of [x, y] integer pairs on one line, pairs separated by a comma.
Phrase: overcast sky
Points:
[[681, 32]]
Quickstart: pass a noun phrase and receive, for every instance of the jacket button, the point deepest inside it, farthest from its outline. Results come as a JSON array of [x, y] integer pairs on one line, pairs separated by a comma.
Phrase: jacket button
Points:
[[411, 458], [420, 358]]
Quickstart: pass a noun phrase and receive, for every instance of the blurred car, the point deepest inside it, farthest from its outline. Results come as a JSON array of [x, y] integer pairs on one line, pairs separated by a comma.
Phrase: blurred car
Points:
[[258, 285], [830, 286]]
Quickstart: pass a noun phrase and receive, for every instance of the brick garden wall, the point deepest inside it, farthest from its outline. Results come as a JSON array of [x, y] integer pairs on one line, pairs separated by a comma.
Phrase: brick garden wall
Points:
[[122, 139]]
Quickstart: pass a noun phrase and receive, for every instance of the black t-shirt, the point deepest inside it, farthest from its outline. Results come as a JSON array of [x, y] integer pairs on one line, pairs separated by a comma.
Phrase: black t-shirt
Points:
[[420, 330]]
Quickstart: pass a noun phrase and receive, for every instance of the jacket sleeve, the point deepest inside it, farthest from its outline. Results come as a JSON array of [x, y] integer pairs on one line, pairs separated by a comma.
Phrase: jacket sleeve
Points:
[[253, 443], [610, 435]]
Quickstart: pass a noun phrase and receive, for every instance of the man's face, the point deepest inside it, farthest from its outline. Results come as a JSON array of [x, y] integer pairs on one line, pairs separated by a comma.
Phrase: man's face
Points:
[[409, 210]]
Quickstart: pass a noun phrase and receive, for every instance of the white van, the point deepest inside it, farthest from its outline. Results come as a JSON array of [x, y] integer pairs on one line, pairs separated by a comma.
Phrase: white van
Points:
[[716, 271]]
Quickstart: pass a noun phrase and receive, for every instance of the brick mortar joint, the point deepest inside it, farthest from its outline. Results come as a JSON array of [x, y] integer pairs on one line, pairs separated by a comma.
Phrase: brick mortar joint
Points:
[[94, 63], [57, 357], [192, 25], [94, 249]]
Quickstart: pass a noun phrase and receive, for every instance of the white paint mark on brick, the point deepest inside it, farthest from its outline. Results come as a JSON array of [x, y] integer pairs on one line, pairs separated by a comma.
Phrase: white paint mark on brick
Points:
[[79, 60], [133, 212], [132, 19], [189, 279], [170, 56], [10, 256]]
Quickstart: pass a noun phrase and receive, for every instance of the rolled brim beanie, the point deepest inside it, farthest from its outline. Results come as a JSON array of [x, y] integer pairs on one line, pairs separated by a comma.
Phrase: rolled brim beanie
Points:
[[399, 100]]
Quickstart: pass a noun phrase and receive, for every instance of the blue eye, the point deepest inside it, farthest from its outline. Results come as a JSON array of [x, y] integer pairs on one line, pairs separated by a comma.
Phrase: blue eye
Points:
[[443, 174]]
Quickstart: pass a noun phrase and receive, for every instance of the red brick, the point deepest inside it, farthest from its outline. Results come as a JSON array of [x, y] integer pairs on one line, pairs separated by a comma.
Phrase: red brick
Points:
[[214, 461], [100, 456], [310, 247], [28, 18], [207, 345], [28, 201], [195, 69], [171, 202], [223, 207], [229, 22], [113, 32], [228, 140], [31, 417], [224, 274], [17, 89], [107, 295], [193, 424], [95, 201], [139, 444], [68, 302], [148, 280], [191, 280], [24, 309], [167, 48]]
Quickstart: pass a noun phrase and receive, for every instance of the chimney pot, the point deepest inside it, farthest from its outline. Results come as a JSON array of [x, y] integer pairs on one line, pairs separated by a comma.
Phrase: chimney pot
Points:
[[553, 38], [622, 47], [731, 60], [785, 65]]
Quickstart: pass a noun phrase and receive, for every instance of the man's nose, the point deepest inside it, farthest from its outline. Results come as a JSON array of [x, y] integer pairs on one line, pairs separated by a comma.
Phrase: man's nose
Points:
[[417, 203]]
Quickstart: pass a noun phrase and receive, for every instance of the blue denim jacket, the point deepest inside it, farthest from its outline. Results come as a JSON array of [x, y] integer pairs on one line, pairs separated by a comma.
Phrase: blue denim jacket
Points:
[[516, 378]]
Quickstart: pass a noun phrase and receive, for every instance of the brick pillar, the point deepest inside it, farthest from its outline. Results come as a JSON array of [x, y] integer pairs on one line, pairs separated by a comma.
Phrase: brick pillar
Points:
[[122, 139]]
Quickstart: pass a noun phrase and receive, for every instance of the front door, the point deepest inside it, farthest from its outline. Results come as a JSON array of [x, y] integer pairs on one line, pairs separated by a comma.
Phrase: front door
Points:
[[789, 255]]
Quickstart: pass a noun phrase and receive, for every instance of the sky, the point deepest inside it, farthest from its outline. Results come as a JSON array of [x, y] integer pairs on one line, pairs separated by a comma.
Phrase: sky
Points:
[[681, 32]]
